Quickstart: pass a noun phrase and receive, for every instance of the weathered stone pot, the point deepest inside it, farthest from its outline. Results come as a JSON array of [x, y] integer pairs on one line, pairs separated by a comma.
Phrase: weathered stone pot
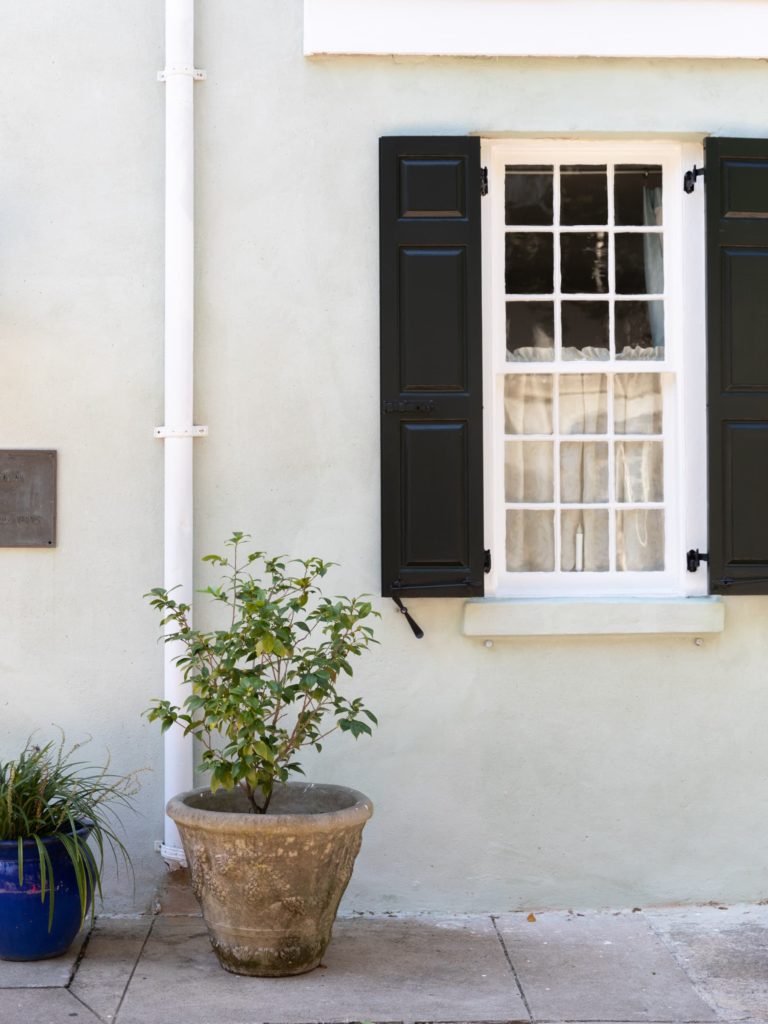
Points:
[[269, 884]]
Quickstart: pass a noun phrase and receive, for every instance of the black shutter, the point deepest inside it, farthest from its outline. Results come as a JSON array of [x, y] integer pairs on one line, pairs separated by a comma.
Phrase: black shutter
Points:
[[737, 329], [431, 368]]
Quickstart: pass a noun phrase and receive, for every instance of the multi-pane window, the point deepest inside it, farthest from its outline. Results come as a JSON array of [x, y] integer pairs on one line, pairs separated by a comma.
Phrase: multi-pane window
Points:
[[586, 361]]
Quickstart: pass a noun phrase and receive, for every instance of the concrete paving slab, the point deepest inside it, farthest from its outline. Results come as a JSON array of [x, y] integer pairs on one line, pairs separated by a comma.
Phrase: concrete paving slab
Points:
[[376, 969], [598, 967], [103, 974], [725, 952], [43, 1006], [53, 973]]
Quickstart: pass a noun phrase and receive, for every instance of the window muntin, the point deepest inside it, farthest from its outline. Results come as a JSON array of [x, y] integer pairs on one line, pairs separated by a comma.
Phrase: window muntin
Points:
[[586, 361]]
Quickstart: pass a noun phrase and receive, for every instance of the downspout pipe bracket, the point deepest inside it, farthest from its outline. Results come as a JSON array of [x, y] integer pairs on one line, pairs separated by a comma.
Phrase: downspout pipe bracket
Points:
[[162, 432], [181, 69]]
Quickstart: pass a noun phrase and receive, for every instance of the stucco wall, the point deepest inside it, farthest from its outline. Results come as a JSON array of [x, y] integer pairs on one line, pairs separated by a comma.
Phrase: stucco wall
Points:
[[538, 773]]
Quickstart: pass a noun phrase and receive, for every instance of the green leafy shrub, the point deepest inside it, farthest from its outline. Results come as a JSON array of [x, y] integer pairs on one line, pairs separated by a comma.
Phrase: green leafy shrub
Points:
[[267, 685], [44, 793]]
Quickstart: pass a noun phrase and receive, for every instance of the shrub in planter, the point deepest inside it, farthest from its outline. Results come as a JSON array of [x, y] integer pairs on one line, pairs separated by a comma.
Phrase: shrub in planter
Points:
[[58, 816], [269, 859]]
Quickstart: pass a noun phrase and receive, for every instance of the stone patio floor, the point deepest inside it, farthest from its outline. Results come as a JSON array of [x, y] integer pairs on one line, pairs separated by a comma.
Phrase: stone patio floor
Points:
[[681, 965]]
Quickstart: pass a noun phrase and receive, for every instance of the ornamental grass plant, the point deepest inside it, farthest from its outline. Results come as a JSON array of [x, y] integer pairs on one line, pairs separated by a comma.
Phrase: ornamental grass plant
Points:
[[46, 794], [268, 683]]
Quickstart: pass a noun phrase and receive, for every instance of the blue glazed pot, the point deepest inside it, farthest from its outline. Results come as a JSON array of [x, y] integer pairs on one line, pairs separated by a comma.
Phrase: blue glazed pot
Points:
[[24, 933]]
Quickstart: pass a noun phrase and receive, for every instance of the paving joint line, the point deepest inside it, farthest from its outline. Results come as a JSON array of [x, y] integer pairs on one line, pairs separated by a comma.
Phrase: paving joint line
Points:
[[80, 955], [133, 969], [89, 1008], [512, 968], [667, 943]]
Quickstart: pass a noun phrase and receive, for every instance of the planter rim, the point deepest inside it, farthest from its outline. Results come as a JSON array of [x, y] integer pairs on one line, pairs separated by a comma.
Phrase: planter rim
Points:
[[82, 830], [234, 821]]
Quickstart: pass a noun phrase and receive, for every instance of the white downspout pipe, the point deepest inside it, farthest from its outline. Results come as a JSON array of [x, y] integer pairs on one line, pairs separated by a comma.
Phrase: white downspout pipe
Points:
[[178, 433]]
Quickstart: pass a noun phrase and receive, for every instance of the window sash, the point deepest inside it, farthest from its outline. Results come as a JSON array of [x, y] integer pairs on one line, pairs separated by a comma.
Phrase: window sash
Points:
[[497, 154]]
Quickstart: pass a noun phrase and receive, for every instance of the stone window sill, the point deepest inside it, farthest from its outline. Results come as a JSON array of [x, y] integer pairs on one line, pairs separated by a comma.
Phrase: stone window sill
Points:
[[487, 617]]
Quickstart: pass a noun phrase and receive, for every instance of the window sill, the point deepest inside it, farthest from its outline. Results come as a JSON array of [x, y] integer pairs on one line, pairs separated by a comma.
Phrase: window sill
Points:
[[592, 616]]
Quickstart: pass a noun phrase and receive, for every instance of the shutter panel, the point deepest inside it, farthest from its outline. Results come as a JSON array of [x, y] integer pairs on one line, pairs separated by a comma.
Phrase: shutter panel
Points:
[[431, 367], [737, 343]]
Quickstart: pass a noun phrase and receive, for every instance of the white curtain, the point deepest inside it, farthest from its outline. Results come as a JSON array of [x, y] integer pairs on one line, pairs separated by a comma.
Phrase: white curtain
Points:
[[583, 470]]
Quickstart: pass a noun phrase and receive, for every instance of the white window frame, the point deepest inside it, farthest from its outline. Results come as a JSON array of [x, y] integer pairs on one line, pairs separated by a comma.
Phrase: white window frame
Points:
[[685, 450], [538, 28]]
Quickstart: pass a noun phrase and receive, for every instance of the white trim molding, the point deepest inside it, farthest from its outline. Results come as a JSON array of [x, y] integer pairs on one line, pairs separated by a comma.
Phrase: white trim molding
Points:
[[538, 28]]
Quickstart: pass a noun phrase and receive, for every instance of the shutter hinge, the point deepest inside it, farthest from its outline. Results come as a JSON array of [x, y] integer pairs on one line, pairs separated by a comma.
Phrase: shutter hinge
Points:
[[483, 181], [689, 178], [694, 558], [487, 560]]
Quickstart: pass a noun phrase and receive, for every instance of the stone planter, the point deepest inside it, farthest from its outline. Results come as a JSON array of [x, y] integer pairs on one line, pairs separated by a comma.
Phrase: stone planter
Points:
[[269, 884]]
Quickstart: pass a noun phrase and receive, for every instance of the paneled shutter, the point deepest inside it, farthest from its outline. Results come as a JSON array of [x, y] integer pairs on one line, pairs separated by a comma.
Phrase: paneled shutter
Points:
[[431, 368], [737, 328]]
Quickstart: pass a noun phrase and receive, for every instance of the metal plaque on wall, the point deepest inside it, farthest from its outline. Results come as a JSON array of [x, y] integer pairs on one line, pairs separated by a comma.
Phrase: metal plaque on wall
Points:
[[27, 498]]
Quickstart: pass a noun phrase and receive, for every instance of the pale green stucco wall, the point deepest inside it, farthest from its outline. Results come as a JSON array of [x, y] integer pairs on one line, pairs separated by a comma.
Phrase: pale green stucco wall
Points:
[[539, 773]]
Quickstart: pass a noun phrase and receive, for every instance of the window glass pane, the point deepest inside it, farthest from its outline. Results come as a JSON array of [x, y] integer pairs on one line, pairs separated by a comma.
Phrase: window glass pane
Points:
[[528, 195], [640, 540], [530, 541], [584, 262], [585, 330], [528, 403], [640, 329], [584, 540], [530, 331], [583, 403], [529, 266], [639, 471], [583, 471], [583, 194], [639, 264], [528, 471], [637, 403], [637, 194]]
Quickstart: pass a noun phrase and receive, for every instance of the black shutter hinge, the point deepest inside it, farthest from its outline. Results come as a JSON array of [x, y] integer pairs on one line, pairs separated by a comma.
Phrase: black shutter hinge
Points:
[[694, 558], [483, 181], [689, 178], [487, 560]]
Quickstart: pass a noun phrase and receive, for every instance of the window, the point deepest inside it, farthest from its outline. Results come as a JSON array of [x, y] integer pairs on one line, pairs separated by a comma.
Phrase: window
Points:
[[585, 368], [584, 473]]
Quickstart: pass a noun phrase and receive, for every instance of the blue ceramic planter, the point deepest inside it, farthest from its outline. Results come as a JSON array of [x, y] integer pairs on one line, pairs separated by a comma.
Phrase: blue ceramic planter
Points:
[[24, 933]]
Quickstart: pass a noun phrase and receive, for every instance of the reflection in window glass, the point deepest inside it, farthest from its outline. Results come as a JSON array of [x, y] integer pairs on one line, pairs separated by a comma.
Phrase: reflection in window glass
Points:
[[529, 263], [530, 331], [639, 264], [637, 194], [639, 471], [528, 195], [584, 262], [585, 330], [639, 329], [640, 540], [583, 194]]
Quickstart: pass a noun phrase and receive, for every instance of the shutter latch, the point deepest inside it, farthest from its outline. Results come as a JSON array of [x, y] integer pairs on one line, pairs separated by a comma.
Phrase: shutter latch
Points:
[[418, 632], [689, 183], [483, 181], [487, 560], [694, 558]]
